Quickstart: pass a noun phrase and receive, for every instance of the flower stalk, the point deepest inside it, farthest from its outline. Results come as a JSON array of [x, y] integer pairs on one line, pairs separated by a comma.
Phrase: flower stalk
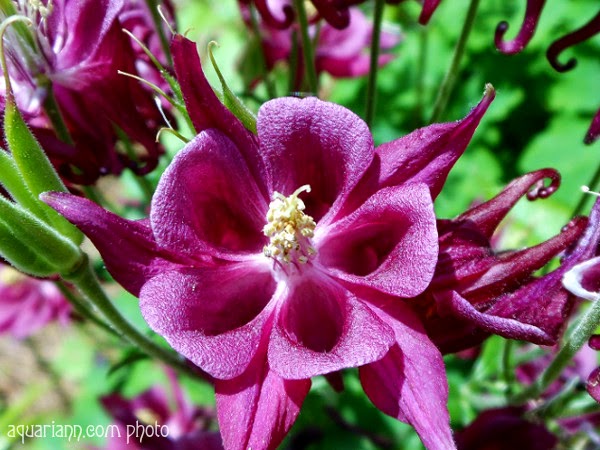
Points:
[[450, 78], [374, 62], [307, 48]]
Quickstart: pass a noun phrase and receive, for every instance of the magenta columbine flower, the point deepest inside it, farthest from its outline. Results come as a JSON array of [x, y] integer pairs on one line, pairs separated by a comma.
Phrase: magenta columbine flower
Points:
[[341, 53], [74, 53], [162, 421], [28, 304], [476, 291], [270, 259]]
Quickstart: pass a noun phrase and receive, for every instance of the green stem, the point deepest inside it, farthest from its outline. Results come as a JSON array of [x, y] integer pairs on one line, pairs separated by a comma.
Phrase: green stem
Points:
[[158, 24], [263, 60], [450, 78], [579, 336], [293, 66], [84, 278], [421, 73], [56, 118], [592, 185], [83, 309], [374, 61], [47, 369], [307, 48]]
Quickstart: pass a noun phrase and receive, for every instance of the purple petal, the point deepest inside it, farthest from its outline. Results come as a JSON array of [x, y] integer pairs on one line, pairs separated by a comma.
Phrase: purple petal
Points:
[[204, 107], [128, 248], [316, 143], [513, 328], [409, 383], [532, 16], [429, 7], [334, 13], [427, 154], [213, 316], [593, 384], [505, 428], [257, 409], [389, 243], [594, 130], [560, 45], [322, 328], [207, 201]]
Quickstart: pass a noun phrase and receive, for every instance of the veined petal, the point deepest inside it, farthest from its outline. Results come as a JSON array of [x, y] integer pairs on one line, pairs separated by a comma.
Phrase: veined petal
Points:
[[214, 316], [206, 110], [115, 237], [316, 143], [207, 201], [427, 154], [409, 383], [390, 243], [322, 328], [257, 409]]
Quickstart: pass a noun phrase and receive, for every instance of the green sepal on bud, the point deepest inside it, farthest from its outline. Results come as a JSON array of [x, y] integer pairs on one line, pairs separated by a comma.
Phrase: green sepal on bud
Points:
[[20, 256], [35, 170], [231, 101], [44, 242]]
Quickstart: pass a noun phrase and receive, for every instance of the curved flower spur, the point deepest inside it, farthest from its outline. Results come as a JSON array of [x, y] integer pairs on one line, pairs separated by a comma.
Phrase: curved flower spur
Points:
[[269, 259]]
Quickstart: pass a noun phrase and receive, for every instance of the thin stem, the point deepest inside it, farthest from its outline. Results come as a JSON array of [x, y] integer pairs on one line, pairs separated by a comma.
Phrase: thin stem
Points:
[[307, 48], [374, 61], [579, 336], [293, 66], [450, 79], [83, 309], [157, 19], [421, 73], [84, 278], [46, 368], [263, 60], [593, 186]]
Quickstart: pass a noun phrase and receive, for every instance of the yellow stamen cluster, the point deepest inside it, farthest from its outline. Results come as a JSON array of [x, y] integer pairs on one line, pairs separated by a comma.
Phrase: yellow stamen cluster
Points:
[[44, 10], [289, 229]]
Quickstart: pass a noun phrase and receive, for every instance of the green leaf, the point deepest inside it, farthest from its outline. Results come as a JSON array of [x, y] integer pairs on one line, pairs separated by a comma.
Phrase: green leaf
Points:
[[19, 255]]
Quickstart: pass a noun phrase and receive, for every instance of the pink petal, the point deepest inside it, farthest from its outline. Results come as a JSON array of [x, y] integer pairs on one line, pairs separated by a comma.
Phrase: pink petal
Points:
[[213, 316], [204, 107], [429, 7], [593, 384], [583, 280], [308, 141], [509, 327], [532, 16], [207, 201], [427, 154], [409, 383], [258, 408], [128, 248], [322, 328], [390, 243]]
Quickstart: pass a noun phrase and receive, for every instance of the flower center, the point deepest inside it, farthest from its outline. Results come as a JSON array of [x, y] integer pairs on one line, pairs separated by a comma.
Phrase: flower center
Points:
[[10, 276], [289, 229]]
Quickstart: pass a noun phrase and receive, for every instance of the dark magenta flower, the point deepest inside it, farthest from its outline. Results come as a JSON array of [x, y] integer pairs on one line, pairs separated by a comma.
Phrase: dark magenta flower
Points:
[[76, 50], [28, 304], [271, 259], [167, 423], [505, 429], [341, 53], [477, 291]]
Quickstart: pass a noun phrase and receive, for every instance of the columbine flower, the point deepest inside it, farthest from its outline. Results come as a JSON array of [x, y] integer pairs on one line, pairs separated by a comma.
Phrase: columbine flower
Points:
[[270, 259], [167, 425], [27, 304], [505, 428], [341, 53], [76, 49], [476, 291]]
